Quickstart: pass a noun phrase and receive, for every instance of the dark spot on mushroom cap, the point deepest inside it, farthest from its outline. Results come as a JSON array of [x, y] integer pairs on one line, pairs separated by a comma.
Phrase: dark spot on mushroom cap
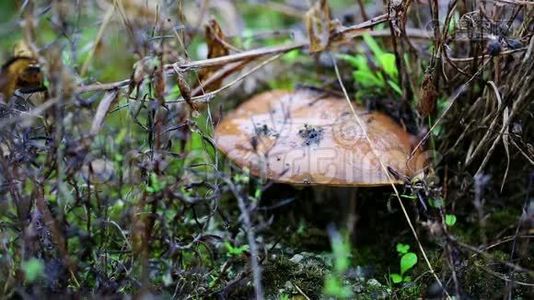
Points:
[[262, 129], [254, 142], [311, 135]]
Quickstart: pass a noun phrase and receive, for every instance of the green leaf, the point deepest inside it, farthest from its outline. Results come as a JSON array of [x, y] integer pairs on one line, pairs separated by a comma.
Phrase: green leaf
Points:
[[396, 278], [450, 220], [235, 251], [367, 79], [155, 185], [196, 141], [411, 197], [373, 45], [291, 56], [402, 248], [33, 269], [257, 193], [407, 262], [387, 62], [283, 297], [357, 61], [395, 87]]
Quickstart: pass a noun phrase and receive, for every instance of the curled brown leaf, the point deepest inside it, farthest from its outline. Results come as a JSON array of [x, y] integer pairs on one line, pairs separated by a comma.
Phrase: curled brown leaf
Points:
[[216, 48], [318, 24], [428, 96]]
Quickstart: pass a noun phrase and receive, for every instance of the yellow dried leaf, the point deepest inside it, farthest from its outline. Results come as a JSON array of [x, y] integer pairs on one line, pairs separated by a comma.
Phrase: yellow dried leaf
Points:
[[318, 22], [216, 48], [428, 96]]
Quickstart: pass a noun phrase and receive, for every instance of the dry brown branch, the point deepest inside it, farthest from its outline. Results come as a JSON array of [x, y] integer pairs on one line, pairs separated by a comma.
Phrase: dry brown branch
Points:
[[220, 74], [342, 35], [251, 54], [250, 231], [208, 96], [346, 33]]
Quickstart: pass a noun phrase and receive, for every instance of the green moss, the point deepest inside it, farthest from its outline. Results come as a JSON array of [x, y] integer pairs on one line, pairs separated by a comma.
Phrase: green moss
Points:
[[500, 219], [310, 238], [308, 275], [477, 281], [409, 291]]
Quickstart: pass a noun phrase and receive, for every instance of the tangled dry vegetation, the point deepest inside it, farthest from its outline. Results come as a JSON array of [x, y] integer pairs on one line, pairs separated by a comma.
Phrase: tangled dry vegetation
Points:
[[111, 185]]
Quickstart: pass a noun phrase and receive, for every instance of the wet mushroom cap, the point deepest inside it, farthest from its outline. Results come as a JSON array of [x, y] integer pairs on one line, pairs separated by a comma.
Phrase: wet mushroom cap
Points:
[[308, 137]]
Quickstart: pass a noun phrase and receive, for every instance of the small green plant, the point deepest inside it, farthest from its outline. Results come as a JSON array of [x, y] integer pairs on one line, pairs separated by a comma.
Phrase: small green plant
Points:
[[407, 262], [334, 285], [232, 250], [33, 269], [242, 178], [154, 184], [283, 297], [374, 80], [450, 220]]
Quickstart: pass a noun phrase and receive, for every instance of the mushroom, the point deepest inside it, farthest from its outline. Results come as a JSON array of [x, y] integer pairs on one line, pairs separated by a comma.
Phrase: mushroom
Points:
[[307, 137]]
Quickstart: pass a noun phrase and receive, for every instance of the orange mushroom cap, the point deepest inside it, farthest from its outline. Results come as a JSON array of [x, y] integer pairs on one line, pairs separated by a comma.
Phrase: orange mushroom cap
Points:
[[306, 137]]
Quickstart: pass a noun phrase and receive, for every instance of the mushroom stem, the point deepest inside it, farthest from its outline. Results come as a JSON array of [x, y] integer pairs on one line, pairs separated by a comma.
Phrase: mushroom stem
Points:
[[352, 216]]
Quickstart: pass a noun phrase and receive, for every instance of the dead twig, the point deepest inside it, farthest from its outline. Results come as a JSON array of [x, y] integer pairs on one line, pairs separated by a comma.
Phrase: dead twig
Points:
[[516, 2], [208, 96], [300, 291], [245, 215], [470, 59]]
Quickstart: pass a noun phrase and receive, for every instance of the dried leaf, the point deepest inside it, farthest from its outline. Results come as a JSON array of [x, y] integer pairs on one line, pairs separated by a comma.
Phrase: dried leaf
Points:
[[159, 82], [318, 24], [101, 111], [216, 48], [428, 96], [215, 39], [149, 66], [137, 76]]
